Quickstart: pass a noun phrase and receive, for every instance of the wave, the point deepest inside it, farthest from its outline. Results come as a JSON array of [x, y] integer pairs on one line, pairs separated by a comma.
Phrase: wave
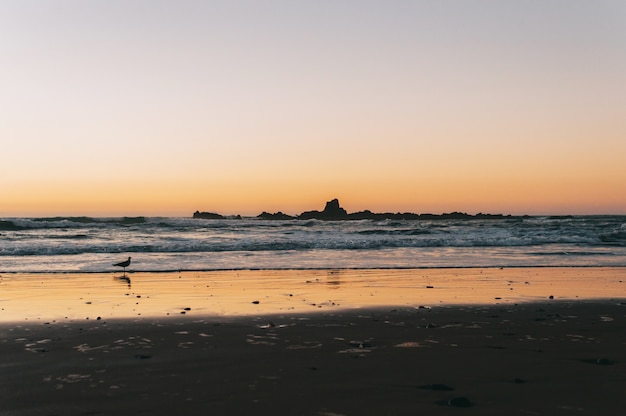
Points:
[[70, 237], [617, 238], [83, 244], [80, 220], [67, 222], [9, 226], [395, 232], [131, 220], [80, 235], [318, 259], [162, 243]]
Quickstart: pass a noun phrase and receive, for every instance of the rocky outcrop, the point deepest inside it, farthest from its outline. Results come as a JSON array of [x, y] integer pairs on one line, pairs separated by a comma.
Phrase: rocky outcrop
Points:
[[332, 212], [208, 215], [275, 216]]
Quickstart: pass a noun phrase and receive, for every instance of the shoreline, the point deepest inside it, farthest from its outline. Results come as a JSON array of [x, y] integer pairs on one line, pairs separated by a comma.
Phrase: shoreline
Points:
[[296, 269]]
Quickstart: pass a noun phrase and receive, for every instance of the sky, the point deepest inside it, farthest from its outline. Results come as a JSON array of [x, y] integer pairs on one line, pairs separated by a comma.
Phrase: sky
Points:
[[153, 107]]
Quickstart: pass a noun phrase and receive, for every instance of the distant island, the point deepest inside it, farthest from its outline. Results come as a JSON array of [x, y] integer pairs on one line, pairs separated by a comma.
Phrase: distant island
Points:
[[334, 212]]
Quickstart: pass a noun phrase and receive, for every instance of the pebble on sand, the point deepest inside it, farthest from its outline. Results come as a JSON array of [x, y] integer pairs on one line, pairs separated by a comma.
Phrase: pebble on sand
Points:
[[459, 402]]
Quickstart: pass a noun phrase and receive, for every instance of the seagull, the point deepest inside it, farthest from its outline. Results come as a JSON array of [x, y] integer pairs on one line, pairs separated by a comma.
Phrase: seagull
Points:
[[123, 264]]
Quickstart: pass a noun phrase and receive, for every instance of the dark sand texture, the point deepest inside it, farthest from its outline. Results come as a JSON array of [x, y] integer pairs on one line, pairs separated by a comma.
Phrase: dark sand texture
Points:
[[547, 358]]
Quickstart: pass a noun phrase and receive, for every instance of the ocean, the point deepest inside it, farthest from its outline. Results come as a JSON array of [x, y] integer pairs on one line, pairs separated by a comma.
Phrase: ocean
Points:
[[159, 244]]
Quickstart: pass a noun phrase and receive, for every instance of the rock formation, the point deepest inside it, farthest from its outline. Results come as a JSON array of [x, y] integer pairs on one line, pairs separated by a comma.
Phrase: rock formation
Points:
[[208, 215], [334, 212], [275, 216]]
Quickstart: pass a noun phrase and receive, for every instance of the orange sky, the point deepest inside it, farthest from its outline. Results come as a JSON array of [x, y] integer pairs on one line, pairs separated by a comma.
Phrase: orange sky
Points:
[[162, 108]]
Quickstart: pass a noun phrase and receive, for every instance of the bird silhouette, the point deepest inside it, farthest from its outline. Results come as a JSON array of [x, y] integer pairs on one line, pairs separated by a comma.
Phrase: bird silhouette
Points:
[[123, 264]]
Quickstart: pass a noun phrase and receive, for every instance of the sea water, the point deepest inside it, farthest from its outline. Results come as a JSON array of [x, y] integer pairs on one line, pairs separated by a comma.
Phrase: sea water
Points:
[[84, 244]]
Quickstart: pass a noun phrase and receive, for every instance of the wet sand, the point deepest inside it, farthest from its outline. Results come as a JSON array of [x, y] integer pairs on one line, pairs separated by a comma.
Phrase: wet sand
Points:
[[327, 348]]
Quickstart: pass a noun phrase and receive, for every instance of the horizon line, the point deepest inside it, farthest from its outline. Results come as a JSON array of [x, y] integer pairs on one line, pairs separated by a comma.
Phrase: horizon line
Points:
[[295, 216]]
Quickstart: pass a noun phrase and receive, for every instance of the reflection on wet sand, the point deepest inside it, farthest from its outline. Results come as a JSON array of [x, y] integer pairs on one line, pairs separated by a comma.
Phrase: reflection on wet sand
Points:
[[124, 279], [263, 292], [333, 279]]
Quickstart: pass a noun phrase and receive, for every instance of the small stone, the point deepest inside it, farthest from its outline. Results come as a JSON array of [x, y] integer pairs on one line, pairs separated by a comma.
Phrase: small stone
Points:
[[459, 402], [142, 356], [598, 361]]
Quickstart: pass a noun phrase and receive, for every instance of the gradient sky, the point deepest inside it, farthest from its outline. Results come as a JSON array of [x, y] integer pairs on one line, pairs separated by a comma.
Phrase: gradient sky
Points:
[[128, 107]]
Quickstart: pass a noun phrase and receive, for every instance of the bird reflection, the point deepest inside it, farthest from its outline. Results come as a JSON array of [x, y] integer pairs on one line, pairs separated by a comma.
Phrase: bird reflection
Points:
[[333, 279], [124, 279]]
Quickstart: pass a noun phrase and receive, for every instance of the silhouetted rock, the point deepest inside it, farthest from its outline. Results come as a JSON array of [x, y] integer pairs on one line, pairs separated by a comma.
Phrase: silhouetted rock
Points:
[[333, 208], [310, 215], [275, 216], [208, 215], [332, 211]]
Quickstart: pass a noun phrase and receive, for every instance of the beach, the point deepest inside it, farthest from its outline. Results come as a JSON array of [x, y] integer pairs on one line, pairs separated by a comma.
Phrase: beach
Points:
[[527, 341], [312, 208]]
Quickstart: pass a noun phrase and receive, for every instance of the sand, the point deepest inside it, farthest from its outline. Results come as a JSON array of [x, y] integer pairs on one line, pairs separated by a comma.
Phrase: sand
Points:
[[318, 344]]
